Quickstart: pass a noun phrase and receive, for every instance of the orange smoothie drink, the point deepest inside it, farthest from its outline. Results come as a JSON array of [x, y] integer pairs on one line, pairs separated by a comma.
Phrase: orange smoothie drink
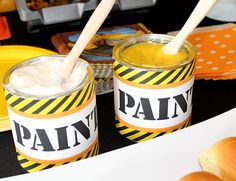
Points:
[[152, 91]]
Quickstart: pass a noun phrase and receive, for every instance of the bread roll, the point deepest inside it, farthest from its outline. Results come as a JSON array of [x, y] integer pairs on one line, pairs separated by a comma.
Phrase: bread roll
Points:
[[200, 176], [220, 159]]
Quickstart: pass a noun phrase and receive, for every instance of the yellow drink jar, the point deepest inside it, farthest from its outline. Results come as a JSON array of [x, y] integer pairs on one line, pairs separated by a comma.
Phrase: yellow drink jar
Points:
[[152, 92]]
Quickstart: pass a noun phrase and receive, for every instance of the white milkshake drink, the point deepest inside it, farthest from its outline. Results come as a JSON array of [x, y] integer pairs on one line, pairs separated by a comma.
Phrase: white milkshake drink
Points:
[[40, 78]]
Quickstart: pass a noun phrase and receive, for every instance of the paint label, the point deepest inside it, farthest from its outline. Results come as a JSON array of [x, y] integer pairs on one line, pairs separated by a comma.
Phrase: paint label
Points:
[[55, 138], [153, 107]]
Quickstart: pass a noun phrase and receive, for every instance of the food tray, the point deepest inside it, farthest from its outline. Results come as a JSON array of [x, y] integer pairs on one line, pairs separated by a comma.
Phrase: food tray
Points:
[[72, 11]]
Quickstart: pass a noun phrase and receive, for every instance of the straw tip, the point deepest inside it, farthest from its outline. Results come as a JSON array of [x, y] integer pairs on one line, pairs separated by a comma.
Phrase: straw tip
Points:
[[169, 50]]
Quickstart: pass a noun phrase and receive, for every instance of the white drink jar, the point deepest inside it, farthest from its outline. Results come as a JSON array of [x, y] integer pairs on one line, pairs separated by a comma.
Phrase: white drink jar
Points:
[[56, 128]]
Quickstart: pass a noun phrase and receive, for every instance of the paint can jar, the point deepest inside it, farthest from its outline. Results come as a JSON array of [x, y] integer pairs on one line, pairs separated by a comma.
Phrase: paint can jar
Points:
[[50, 131], [152, 93]]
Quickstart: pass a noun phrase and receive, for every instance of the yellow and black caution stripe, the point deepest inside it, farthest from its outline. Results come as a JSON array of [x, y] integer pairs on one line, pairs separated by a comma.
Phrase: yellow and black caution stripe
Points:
[[145, 28], [50, 106], [146, 77], [31, 166], [102, 70], [104, 85], [140, 135]]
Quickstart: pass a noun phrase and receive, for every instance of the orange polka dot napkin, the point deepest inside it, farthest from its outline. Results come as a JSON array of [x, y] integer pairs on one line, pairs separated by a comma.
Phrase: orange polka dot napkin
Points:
[[216, 51]]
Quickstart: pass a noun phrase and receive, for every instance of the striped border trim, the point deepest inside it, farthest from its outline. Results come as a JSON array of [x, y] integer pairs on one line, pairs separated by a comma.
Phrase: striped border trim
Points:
[[145, 28], [137, 135], [153, 78], [50, 106], [31, 166]]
